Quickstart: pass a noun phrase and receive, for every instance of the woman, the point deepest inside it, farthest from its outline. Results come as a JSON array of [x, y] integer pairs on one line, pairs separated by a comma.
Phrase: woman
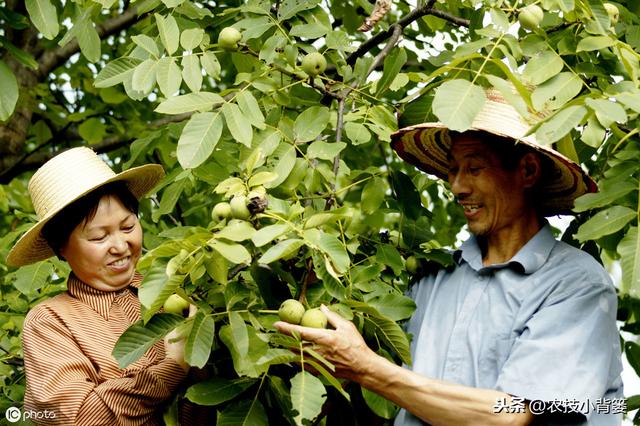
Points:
[[88, 217]]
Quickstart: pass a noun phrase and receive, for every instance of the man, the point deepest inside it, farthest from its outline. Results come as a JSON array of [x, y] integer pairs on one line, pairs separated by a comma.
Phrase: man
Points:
[[522, 329]]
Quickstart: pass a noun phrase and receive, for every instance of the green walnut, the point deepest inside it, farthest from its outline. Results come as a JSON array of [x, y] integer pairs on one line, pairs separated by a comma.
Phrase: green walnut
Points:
[[239, 208], [229, 38], [291, 311], [221, 211], [314, 63], [412, 264], [175, 304], [530, 17], [614, 13], [314, 318]]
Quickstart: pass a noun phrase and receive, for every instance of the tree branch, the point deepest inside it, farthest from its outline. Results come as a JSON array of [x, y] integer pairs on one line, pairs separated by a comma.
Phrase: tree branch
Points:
[[37, 158], [403, 23], [51, 59]]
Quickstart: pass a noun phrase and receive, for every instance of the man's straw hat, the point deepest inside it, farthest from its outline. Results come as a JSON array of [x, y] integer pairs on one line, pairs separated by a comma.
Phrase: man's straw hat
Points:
[[427, 146], [64, 179]]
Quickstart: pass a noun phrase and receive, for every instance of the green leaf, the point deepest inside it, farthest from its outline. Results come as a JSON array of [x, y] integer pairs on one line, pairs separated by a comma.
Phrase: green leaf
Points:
[[237, 230], [169, 198], [561, 124], [309, 31], [589, 44], [632, 351], [357, 133], [147, 43], [607, 194], [217, 390], [629, 251], [396, 307], [243, 413], [393, 63], [191, 38], [234, 253], [169, 32], [457, 102], [373, 195], [542, 67], [211, 64], [138, 338], [156, 287], [556, 92], [44, 16], [392, 336], [332, 284], [331, 246], [593, 134], [88, 39], [9, 92], [31, 278], [379, 405], [237, 124], [199, 138], [387, 254], [307, 396], [116, 71], [250, 109], [286, 162], [191, 72], [168, 76], [604, 223], [247, 364], [144, 76], [506, 89], [608, 112], [269, 233], [310, 123], [198, 345], [325, 150], [92, 130], [202, 101], [289, 8], [282, 249]]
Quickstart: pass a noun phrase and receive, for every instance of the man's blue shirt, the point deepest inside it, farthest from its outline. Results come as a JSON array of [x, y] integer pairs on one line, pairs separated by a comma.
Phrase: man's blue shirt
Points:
[[540, 326]]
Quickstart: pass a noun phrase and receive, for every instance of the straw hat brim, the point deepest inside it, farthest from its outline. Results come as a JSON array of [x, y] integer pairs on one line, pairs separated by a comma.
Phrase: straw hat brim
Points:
[[32, 247], [427, 146]]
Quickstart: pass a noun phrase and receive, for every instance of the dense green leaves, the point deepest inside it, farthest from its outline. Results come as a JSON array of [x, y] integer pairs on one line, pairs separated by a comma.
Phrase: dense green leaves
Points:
[[334, 213]]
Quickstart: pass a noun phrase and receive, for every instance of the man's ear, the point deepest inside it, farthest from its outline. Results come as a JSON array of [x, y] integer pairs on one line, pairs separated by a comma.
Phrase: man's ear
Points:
[[530, 169]]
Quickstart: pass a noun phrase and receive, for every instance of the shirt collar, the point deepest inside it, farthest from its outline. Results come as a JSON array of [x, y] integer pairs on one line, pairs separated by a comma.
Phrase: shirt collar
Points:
[[100, 301], [528, 259]]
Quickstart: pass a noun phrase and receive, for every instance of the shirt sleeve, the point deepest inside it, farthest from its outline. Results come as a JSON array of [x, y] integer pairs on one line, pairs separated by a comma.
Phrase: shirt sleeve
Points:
[[568, 349], [62, 380]]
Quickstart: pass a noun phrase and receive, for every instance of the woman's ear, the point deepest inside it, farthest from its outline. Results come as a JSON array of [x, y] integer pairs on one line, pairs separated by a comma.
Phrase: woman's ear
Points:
[[530, 168]]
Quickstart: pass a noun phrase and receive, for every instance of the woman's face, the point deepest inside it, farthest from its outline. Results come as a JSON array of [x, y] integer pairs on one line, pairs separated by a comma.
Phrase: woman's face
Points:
[[103, 251]]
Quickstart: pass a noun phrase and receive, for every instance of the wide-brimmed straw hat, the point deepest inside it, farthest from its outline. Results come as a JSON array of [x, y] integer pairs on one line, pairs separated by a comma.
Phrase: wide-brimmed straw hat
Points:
[[427, 146], [64, 179]]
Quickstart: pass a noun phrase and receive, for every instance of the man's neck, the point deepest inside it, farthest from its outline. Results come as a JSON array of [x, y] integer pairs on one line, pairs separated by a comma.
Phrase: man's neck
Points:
[[502, 245]]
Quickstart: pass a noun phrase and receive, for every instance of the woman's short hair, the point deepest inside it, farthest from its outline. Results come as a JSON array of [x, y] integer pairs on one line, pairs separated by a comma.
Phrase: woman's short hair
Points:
[[57, 231]]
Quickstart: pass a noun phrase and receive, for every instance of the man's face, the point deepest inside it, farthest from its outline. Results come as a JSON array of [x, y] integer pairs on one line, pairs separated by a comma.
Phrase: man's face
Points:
[[492, 197], [103, 251]]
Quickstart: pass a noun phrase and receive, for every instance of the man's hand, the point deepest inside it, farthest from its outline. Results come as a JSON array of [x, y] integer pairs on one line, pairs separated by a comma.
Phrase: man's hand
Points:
[[344, 347]]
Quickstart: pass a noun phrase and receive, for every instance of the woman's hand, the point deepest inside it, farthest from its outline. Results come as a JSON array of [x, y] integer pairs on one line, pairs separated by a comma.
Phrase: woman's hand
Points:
[[174, 343], [344, 347]]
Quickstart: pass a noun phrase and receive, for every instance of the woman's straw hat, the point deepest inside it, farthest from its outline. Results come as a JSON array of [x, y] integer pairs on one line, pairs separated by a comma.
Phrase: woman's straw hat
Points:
[[427, 146], [64, 179]]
